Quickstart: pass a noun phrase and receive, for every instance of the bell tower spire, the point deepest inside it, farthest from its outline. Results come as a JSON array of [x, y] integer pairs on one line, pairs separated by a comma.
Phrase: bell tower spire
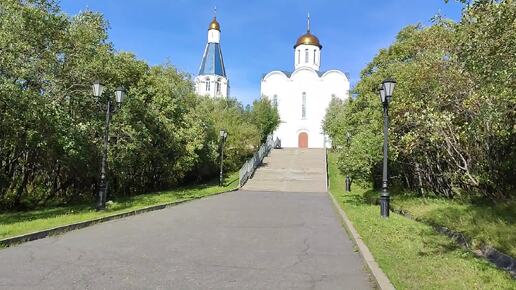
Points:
[[214, 29], [212, 79], [308, 22], [307, 50]]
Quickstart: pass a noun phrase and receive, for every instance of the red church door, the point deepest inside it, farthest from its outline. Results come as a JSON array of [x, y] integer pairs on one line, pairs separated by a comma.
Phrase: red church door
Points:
[[302, 141]]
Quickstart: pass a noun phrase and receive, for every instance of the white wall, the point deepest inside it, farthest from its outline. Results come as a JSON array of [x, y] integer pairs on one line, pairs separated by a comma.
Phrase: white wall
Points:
[[319, 91], [213, 36], [314, 57], [200, 86]]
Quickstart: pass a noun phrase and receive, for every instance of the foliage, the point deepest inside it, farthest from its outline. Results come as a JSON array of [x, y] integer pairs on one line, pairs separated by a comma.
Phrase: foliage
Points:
[[265, 116], [243, 136], [452, 115], [51, 127]]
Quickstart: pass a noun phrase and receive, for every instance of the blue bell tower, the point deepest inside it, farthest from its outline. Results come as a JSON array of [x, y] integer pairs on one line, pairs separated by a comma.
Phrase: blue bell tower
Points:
[[212, 79]]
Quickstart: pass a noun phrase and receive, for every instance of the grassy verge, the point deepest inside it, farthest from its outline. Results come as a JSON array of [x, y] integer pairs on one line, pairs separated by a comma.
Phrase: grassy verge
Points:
[[410, 253], [18, 223], [486, 223]]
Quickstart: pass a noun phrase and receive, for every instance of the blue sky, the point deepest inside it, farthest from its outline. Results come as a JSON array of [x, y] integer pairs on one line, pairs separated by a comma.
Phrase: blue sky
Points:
[[258, 35]]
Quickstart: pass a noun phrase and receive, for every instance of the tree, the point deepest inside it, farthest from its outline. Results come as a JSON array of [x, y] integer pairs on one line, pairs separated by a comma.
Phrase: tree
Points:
[[265, 116], [451, 130], [51, 126]]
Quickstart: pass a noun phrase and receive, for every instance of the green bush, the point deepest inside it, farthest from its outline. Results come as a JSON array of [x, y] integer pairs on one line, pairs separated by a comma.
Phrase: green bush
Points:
[[452, 115]]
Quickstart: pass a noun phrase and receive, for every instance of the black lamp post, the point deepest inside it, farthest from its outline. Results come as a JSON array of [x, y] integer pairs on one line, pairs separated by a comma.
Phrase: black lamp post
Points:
[[386, 90], [98, 89], [348, 179], [223, 136]]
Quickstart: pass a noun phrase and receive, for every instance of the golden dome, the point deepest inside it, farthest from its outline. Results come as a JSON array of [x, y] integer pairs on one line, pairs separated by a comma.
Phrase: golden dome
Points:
[[214, 24], [309, 39]]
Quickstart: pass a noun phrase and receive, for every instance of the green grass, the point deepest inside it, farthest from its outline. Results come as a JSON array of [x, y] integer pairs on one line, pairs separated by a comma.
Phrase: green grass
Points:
[[18, 223], [411, 253], [485, 222]]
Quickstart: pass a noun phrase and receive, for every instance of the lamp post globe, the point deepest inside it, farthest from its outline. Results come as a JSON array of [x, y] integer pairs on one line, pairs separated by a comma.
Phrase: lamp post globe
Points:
[[383, 98], [98, 88], [120, 95], [388, 86]]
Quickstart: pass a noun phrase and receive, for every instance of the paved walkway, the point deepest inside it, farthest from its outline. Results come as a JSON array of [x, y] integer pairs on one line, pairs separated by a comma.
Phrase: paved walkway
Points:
[[237, 240], [291, 170]]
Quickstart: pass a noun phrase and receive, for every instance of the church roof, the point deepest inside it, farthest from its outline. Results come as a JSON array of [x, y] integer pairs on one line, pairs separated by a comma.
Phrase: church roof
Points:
[[212, 61], [309, 39], [289, 73], [214, 24]]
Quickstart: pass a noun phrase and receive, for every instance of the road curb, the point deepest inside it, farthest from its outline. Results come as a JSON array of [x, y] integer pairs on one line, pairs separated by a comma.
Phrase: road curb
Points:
[[8, 242], [381, 279]]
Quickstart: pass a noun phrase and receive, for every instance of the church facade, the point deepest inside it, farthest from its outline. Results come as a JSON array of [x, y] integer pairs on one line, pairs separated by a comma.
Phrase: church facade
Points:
[[212, 79], [303, 95]]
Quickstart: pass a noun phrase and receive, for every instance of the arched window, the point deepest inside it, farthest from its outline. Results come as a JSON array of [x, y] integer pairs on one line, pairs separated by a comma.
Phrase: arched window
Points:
[[207, 85], [275, 101], [315, 51], [306, 55], [303, 106], [298, 56]]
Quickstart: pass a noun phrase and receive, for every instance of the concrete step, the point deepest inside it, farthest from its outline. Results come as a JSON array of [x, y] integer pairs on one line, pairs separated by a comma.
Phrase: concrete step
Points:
[[291, 170]]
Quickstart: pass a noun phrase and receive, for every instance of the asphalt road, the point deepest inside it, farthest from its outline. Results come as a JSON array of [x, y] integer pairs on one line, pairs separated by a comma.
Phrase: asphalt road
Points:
[[237, 240]]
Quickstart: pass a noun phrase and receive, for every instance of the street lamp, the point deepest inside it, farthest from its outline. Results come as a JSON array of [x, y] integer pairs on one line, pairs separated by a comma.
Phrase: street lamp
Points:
[[386, 89], [119, 95], [223, 136], [98, 89], [348, 179]]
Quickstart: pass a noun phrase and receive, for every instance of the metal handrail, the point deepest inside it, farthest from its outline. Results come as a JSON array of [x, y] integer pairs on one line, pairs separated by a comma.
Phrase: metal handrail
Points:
[[247, 170]]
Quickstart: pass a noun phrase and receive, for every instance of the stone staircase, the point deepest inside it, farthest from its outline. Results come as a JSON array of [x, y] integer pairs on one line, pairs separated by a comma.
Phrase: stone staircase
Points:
[[291, 170]]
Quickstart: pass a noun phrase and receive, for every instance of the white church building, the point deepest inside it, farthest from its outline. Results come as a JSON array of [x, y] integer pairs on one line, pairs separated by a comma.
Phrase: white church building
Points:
[[211, 79], [303, 95]]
